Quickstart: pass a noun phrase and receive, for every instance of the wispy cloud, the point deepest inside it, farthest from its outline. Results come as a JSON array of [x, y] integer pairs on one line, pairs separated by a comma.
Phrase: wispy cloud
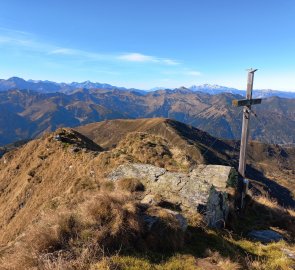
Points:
[[86, 55], [17, 41], [170, 62], [89, 63], [63, 51], [194, 73], [136, 57], [26, 41], [139, 57], [22, 40]]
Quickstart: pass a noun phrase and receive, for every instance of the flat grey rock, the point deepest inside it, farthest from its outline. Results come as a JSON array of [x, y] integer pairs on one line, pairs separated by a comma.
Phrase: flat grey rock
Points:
[[203, 189], [265, 236]]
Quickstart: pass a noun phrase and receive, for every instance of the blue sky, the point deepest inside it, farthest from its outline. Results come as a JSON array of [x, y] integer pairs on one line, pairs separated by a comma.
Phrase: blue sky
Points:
[[143, 44]]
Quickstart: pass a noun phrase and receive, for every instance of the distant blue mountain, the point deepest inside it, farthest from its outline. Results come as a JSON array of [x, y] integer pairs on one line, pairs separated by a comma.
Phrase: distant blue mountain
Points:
[[257, 93], [52, 87]]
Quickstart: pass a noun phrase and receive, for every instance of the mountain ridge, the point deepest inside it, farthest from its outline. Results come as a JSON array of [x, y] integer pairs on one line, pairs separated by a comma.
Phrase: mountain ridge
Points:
[[34, 113], [47, 183], [51, 87]]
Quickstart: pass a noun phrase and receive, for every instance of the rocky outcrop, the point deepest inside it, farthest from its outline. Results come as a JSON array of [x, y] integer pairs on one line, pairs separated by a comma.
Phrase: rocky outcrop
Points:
[[203, 189], [76, 140], [265, 236]]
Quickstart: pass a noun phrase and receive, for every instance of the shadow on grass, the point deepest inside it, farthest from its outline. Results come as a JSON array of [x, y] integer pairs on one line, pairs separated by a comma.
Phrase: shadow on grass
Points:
[[283, 195], [198, 242], [257, 216]]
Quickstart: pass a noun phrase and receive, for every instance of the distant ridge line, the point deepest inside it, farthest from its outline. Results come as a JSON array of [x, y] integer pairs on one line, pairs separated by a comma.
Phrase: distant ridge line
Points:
[[47, 86]]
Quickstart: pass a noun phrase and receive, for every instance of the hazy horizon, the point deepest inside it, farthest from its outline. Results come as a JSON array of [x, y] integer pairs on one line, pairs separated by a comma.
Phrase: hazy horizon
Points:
[[146, 89]]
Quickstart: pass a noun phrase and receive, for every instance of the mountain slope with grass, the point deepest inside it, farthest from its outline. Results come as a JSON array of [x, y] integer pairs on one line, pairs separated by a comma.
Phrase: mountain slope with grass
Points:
[[58, 210], [271, 165]]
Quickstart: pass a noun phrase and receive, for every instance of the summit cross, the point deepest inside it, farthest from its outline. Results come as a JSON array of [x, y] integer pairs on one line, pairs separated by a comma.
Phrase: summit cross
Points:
[[246, 103]]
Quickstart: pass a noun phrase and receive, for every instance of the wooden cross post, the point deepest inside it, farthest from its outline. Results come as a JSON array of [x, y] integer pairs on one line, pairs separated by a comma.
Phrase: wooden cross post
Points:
[[246, 103]]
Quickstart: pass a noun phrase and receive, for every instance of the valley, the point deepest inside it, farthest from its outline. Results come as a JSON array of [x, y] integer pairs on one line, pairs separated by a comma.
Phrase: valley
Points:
[[27, 114]]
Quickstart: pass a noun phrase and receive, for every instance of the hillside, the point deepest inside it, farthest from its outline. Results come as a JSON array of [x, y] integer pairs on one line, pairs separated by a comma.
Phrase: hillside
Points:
[[267, 163], [28, 114], [66, 163], [52, 187]]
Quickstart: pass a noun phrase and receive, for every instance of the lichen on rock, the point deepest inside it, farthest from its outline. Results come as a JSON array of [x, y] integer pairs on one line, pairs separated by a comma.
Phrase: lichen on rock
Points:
[[204, 189]]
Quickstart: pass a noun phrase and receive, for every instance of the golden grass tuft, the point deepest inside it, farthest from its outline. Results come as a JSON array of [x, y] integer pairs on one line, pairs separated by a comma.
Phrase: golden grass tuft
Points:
[[139, 147], [107, 186], [116, 218], [129, 184], [106, 223]]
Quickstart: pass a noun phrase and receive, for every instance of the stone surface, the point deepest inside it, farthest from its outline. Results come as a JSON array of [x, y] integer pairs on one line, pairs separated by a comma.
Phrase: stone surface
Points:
[[203, 189], [265, 236]]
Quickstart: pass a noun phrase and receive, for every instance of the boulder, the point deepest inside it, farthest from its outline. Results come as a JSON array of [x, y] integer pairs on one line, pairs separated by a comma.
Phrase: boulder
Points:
[[265, 236], [203, 189]]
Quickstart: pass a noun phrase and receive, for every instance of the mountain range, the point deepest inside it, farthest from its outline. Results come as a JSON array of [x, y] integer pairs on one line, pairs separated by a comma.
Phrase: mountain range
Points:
[[26, 114], [52, 87]]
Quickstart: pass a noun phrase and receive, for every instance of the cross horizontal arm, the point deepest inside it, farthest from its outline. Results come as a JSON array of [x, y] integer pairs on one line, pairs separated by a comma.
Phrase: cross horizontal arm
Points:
[[246, 102]]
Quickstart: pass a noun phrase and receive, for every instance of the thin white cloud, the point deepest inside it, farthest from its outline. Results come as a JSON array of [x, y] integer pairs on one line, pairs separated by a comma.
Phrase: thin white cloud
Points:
[[194, 73], [16, 41], [170, 62], [22, 40], [80, 54], [63, 51], [25, 41], [139, 57], [28, 41]]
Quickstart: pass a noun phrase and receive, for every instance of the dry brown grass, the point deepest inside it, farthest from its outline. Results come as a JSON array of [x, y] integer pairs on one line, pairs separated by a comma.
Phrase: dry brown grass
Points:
[[263, 212], [195, 219], [28, 183], [214, 261], [112, 221], [275, 215], [107, 220], [86, 219], [106, 223], [139, 147], [129, 184], [116, 218], [107, 186]]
